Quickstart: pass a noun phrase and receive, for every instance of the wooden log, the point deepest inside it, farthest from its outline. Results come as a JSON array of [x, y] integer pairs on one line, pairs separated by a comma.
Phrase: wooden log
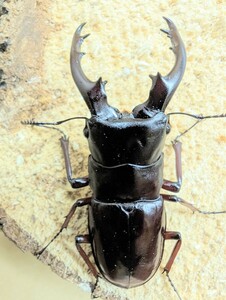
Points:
[[35, 195]]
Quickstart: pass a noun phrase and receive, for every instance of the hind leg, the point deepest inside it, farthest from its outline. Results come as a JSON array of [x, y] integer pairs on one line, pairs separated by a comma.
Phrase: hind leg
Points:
[[85, 239]]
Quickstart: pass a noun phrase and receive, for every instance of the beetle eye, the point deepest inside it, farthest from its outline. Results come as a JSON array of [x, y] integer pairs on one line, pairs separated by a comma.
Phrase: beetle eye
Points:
[[168, 128], [86, 132]]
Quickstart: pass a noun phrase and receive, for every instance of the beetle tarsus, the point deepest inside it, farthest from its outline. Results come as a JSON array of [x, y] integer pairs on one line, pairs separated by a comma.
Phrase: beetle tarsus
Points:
[[172, 284], [199, 118], [39, 253], [174, 198], [78, 203], [210, 212], [94, 288], [184, 132]]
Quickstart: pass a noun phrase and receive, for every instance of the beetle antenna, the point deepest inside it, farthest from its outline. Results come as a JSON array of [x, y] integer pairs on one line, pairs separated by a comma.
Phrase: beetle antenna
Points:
[[199, 119], [32, 122], [173, 286], [49, 124]]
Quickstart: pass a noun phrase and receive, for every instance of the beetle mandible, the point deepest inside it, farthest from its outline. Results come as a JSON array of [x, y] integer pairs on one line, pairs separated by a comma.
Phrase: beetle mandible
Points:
[[126, 174]]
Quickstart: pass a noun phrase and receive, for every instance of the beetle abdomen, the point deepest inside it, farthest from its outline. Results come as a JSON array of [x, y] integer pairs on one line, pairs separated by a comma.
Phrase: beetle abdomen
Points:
[[127, 182], [127, 240]]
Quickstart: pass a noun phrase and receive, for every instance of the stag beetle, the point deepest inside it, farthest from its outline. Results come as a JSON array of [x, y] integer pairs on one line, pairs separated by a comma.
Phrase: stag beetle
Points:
[[127, 219]]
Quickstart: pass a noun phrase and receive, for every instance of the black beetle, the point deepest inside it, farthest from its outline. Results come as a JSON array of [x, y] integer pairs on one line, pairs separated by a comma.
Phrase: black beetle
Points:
[[127, 220]]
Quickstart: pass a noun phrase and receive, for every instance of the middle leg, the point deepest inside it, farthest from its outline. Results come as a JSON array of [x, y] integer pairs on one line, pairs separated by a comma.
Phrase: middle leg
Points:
[[78, 203], [175, 199]]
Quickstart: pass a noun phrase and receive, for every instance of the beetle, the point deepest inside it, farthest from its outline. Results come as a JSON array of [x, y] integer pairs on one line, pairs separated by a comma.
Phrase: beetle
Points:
[[126, 215]]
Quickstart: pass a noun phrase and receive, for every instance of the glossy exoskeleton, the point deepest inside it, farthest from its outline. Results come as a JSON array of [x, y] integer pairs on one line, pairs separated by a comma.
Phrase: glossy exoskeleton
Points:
[[127, 220]]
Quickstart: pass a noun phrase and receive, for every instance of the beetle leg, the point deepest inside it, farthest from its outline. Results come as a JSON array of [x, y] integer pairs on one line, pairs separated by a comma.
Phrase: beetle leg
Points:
[[81, 239], [174, 198], [174, 186], [78, 203], [197, 117], [172, 235], [75, 182]]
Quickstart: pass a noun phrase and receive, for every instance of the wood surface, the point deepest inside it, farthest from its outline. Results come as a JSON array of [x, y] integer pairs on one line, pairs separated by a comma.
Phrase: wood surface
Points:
[[124, 48]]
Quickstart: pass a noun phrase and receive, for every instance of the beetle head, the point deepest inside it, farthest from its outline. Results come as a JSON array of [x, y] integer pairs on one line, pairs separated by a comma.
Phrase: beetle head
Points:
[[162, 90]]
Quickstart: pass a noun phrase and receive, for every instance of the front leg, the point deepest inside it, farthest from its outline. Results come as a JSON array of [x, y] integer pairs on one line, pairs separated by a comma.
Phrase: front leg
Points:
[[174, 186], [75, 182]]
